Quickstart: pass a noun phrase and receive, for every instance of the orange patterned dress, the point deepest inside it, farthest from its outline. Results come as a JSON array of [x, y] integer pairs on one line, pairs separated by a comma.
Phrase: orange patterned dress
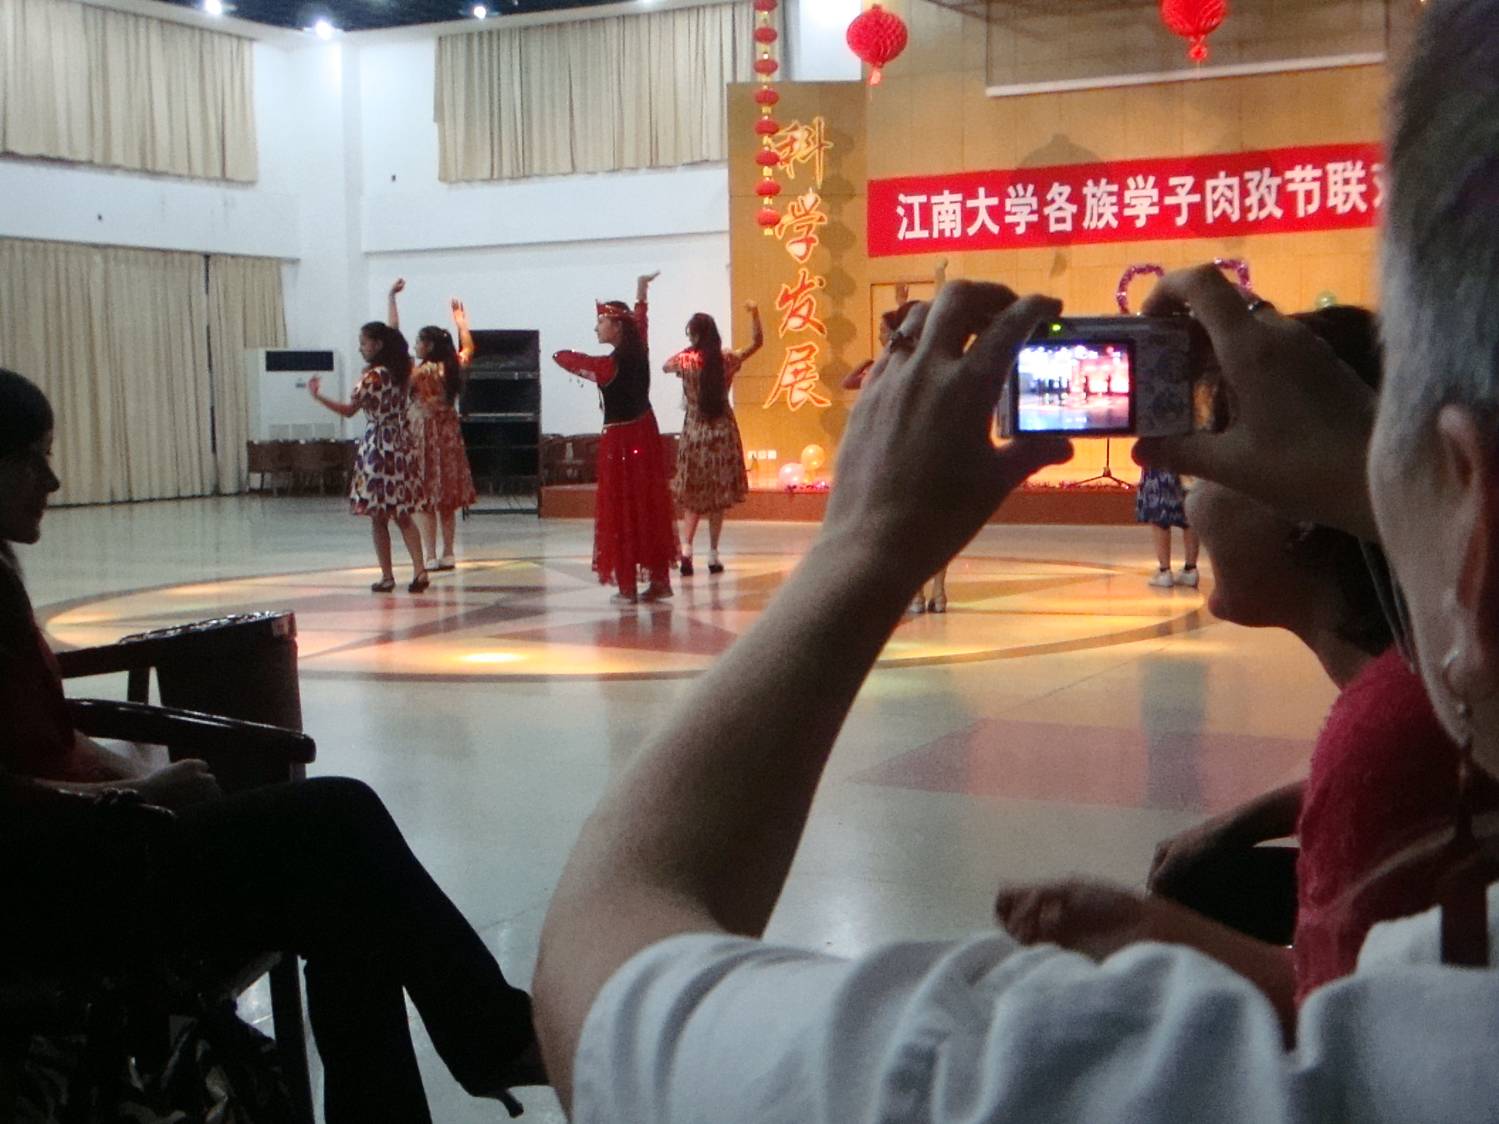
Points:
[[438, 435], [710, 456]]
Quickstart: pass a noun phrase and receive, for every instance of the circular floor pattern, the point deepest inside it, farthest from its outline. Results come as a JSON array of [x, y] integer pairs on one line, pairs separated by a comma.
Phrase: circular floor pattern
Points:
[[548, 618]]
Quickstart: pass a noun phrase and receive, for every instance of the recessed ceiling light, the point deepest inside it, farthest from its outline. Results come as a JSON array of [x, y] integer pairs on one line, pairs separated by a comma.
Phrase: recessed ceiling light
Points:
[[480, 11], [214, 7], [323, 29]]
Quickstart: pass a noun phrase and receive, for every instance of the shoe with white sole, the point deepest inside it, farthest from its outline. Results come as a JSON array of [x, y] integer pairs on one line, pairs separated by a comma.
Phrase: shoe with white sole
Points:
[[1187, 578], [1162, 580]]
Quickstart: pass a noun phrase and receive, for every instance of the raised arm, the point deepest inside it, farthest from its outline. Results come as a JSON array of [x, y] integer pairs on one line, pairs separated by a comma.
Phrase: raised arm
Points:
[[642, 318], [698, 833], [392, 313], [757, 333], [594, 368], [342, 409], [465, 337]]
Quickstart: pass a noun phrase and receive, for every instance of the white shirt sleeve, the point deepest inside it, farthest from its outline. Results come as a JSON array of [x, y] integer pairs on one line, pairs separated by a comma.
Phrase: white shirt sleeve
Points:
[[708, 1029]]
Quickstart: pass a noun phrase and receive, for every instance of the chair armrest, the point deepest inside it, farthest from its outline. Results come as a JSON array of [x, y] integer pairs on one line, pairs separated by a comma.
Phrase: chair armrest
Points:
[[102, 659], [202, 733]]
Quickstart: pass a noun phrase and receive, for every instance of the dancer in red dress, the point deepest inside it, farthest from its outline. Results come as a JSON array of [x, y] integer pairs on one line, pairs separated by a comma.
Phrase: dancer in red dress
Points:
[[710, 475], [633, 530], [436, 430]]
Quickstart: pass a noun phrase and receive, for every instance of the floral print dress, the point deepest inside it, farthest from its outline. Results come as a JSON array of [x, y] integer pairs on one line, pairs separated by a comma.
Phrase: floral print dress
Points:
[[438, 435], [710, 456], [387, 471]]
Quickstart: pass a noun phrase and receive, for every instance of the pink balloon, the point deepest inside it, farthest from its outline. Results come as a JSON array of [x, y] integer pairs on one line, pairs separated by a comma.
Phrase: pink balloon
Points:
[[792, 474]]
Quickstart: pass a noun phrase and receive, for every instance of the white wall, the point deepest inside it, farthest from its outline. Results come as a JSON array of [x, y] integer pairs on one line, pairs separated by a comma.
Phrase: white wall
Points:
[[349, 197], [552, 288], [818, 50], [533, 253]]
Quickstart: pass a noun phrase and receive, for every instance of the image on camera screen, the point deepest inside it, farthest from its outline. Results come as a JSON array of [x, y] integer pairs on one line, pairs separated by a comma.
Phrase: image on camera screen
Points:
[[1074, 387]]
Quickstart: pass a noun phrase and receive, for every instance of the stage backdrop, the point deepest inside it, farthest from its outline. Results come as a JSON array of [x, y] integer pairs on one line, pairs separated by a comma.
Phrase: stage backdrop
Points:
[[1279, 170]]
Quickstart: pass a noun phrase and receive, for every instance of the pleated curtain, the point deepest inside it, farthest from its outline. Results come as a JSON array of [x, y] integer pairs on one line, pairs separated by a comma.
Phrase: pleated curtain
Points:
[[97, 86], [639, 91], [119, 340]]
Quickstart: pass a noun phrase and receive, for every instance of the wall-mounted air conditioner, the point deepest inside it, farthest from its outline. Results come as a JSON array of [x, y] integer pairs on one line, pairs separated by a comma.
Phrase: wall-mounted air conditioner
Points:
[[281, 409]]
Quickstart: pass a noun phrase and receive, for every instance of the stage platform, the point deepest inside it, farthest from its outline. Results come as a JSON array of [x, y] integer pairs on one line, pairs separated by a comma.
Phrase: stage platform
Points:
[[1085, 506]]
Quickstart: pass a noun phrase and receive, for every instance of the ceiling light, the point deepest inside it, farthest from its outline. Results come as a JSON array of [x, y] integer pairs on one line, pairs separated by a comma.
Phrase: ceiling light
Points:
[[323, 29], [214, 7], [480, 11]]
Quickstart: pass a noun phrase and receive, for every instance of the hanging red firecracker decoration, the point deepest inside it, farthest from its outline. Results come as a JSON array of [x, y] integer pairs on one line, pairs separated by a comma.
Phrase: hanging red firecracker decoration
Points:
[[877, 37], [1194, 20], [767, 126]]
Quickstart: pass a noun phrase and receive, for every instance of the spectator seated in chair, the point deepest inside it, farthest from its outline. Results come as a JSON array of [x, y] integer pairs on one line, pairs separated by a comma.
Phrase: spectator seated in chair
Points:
[[317, 867]]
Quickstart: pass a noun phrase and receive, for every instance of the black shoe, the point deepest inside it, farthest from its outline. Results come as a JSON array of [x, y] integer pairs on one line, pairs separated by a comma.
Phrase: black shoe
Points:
[[686, 567], [715, 567], [419, 583], [384, 585]]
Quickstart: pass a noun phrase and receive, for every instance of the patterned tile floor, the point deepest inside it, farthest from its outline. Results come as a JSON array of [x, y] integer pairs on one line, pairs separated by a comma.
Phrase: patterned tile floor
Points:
[[1060, 718]]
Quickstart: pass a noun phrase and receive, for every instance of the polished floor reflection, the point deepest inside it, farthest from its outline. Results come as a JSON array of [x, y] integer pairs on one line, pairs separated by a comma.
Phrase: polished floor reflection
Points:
[[1061, 717]]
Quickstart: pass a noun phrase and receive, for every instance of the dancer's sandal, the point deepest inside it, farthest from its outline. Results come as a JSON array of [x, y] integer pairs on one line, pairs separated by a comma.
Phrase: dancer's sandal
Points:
[[384, 585], [686, 566], [444, 563], [658, 591], [623, 599], [937, 604], [528, 1069], [714, 565], [420, 583]]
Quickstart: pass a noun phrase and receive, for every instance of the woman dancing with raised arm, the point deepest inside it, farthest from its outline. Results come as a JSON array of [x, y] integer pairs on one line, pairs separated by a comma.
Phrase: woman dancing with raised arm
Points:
[[633, 530], [710, 475], [435, 385], [387, 481]]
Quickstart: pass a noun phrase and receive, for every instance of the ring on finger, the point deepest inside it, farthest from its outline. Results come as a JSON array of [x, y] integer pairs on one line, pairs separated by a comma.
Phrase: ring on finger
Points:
[[901, 340]]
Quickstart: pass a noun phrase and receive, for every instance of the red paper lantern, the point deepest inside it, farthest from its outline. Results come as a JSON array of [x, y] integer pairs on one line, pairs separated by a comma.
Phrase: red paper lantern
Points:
[[766, 5], [1194, 20], [766, 67], [767, 189], [877, 37], [765, 95], [767, 126], [767, 158], [766, 35], [769, 218]]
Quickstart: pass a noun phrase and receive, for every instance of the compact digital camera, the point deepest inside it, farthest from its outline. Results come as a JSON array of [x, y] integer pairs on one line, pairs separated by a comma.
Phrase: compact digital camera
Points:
[[1100, 376]]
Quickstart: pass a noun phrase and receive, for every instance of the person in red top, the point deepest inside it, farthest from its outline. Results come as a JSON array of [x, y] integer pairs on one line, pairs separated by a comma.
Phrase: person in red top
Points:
[[318, 867], [633, 531], [1383, 774]]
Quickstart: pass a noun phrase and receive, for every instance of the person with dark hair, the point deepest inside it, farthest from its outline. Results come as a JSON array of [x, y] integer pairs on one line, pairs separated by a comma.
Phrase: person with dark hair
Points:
[[711, 476], [633, 531], [1383, 772], [317, 867], [436, 431], [387, 480]]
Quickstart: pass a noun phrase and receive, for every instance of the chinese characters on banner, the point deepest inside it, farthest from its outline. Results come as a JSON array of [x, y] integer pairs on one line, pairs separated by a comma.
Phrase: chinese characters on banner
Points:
[[799, 376], [1281, 191]]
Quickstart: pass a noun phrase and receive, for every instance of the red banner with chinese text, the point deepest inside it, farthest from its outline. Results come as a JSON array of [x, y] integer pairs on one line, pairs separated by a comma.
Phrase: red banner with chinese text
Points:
[[1280, 191]]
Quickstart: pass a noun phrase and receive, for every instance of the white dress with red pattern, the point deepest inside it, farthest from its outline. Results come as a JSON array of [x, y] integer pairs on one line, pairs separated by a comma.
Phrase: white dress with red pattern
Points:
[[710, 456], [387, 472]]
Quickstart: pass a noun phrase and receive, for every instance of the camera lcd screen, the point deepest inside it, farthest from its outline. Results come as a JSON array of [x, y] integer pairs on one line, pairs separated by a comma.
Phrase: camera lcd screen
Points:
[[1078, 387]]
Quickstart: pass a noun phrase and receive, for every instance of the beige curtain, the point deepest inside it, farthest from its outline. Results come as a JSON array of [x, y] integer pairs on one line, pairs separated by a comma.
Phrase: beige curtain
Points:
[[119, 341], [600, 95], [99, 86], [244, 310]]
